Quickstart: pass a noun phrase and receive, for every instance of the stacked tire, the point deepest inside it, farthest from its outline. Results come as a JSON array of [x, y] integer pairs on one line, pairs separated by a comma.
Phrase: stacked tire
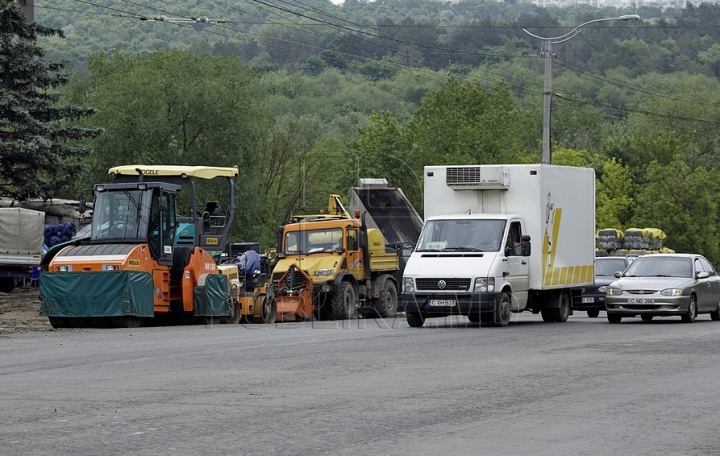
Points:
[[56, 234]]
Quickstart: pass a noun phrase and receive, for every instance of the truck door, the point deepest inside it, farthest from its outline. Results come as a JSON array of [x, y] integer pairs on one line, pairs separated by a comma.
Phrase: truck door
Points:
[[353, 254], [517, 265]]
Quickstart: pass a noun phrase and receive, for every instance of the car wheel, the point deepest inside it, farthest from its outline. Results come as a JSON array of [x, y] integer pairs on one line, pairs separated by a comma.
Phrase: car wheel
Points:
[[593, 313], [614, 318], [691, 313], [646, 317], [715, 314]]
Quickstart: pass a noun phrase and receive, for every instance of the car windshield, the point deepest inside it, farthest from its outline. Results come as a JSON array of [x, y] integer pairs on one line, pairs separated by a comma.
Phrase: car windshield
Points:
[[313, 241], [609, 266], [660, 267], [461, 235]]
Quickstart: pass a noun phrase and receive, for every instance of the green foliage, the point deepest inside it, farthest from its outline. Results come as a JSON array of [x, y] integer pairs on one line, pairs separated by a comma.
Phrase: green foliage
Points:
[[614, 196], [177, 107], [40, 151], [681, 201]]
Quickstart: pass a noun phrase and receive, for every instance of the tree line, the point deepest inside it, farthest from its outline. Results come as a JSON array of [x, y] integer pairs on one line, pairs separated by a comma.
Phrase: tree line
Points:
[[637, 102]]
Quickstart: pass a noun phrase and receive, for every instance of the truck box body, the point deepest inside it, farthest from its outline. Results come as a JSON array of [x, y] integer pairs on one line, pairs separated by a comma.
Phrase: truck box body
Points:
[[553, 205], [21, 233], [21, 244]]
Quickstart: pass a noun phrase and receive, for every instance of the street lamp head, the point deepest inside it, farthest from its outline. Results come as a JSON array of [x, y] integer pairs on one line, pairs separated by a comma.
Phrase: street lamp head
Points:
[[629, 17]]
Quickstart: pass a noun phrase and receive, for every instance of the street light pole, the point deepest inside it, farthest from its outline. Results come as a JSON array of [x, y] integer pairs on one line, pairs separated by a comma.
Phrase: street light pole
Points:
[[547, 93]]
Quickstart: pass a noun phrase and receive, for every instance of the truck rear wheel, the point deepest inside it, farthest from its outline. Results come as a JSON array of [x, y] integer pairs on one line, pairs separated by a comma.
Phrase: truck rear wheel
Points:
[[386, 305], [561, 312], [7, 285], [343, 302]]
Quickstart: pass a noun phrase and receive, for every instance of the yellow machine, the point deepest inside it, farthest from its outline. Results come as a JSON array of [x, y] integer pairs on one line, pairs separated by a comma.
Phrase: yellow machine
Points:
[[332, 266]]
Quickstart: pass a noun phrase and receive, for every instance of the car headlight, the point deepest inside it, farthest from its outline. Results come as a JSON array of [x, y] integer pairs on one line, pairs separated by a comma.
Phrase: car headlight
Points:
[[671, 292], [484, 285], [408, 284], [602, 289], [610, 291]]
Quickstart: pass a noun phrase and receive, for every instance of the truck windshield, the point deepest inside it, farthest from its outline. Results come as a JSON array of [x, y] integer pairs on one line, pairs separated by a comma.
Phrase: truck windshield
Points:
[[461, 235], [120, 215], [313, 241]]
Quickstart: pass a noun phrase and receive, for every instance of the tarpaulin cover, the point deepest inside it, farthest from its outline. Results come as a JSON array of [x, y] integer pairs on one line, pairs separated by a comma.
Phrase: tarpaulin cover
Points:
[[97, 294], [21, 231], [211, 300]]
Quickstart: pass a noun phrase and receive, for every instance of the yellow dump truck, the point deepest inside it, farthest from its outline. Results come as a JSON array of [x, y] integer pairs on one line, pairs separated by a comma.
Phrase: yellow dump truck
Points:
[[332, 266]]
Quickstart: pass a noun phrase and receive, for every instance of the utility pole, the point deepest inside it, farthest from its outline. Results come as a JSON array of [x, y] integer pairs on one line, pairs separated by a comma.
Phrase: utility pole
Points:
[[547, 93], [29, 10]]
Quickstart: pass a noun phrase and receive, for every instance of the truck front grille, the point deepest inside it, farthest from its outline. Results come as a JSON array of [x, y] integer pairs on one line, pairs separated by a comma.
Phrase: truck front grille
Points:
[[443, 284]]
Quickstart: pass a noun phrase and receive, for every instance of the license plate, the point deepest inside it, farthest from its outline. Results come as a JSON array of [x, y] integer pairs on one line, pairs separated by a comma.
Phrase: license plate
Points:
[[588, 300], [641, 301], [441, 302]]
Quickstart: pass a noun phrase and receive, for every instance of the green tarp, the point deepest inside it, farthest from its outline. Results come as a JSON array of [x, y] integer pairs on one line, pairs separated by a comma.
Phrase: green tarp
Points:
[[211, 300], [96, 294]]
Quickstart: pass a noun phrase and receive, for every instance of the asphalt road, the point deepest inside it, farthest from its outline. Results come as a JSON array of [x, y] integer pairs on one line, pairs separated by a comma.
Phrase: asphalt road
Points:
[[366, 388]]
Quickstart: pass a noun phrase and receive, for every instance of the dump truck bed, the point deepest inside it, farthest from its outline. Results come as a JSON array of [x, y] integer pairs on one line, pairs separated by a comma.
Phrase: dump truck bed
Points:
[[388, 210]]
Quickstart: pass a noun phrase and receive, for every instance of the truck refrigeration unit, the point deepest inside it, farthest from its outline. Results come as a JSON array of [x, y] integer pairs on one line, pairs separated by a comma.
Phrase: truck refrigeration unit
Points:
[[474, 255]]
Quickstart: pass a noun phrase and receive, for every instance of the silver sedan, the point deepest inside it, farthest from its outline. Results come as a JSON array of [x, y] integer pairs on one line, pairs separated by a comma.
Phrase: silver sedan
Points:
[[665, 285]]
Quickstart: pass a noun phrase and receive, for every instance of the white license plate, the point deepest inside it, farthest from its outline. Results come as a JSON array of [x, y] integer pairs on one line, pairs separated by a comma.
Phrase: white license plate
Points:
[[588, 300], [641, 301], [441, 302]]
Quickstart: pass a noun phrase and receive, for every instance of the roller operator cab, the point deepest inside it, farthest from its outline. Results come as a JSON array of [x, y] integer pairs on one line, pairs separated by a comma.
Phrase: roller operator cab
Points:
[[499, 239], [142, 260]]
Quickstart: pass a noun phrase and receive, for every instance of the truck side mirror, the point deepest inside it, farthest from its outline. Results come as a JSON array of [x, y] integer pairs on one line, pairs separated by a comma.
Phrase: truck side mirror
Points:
[[83, 206], [525, 245]]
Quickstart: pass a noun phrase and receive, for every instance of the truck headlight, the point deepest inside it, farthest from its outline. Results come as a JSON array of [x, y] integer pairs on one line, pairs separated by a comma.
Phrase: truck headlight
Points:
[[408, 284], [484, 285], [671, 292], [63, 268]]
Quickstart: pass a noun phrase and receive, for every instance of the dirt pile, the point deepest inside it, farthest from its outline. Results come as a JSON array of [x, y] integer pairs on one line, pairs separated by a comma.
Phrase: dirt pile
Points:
[[20, 311]]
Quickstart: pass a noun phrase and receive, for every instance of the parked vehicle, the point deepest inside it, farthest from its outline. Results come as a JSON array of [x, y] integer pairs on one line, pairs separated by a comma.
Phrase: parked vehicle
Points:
[[593, 296], [21, 245], [474, 255], [665, 285], [144, 257], [332, 266]]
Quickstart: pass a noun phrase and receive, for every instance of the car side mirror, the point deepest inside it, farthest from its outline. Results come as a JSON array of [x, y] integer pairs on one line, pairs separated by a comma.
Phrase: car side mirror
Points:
[[618, 274], [703, 275]]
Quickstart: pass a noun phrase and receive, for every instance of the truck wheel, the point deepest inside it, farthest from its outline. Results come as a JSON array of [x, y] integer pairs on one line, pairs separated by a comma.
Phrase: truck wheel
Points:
[[548, 315], [233, 317], [7, 285], [593, 313], [561, 313], [343, 302], [614, 318], [415, 319], [386, 305], [501, 316]]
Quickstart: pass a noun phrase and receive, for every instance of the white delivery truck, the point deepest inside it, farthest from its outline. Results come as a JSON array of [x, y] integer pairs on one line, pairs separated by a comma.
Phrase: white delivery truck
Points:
[[474, 254]]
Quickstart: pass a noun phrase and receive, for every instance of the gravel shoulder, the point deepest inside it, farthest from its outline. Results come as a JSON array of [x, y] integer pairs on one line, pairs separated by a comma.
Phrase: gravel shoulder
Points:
[[20, 312]]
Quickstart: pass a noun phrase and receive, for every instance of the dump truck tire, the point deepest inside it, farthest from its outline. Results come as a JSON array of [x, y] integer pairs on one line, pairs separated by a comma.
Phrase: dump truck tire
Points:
[[387, 303], [344, 302]]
